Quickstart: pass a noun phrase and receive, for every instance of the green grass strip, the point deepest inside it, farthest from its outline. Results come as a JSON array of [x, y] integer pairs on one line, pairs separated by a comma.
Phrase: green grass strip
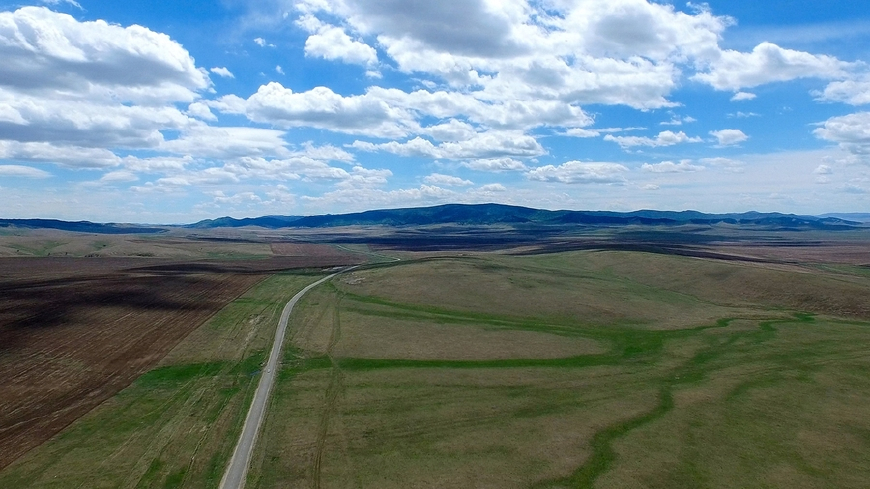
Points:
[[693, 371]]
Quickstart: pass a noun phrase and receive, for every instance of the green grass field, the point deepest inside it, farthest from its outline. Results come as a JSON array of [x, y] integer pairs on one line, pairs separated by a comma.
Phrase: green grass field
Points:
[[584, 369], [581, 369], [42, 242], [177, 425]]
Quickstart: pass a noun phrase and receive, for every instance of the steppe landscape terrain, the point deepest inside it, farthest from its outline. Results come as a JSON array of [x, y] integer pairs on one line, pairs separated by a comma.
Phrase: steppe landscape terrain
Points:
[[401, 244], [726, 354]]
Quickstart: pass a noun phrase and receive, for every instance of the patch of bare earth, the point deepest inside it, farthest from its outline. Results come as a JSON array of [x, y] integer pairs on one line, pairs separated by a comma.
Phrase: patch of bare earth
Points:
[[75, 332], [849, 253], [308, 250]]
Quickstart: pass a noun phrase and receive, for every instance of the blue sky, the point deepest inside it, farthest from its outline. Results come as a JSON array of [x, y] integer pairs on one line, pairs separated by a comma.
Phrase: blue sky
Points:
[[174, 111]]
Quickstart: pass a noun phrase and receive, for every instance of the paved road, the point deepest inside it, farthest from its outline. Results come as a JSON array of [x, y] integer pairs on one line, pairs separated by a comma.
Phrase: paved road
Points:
[[237, 470]]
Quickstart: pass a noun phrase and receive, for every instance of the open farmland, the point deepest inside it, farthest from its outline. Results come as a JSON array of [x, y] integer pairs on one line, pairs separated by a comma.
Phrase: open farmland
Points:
[[72, 340], [682, 365], [75, 331], [178, 244], [177, 424], [580, 369], [54, 243]]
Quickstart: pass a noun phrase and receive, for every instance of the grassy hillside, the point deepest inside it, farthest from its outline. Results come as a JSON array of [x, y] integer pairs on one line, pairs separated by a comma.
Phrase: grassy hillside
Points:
[[583, 369], [605, 369]]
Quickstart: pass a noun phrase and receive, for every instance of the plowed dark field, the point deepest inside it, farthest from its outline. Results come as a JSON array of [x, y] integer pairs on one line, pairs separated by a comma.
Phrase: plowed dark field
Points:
[[74, 332]]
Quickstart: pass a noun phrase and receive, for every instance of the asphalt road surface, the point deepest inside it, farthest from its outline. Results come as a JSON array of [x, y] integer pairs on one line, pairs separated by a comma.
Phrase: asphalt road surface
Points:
[[237, 470]]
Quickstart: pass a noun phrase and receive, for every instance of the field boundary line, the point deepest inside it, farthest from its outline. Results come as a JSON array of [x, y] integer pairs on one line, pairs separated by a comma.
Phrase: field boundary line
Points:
[[370, 253], [237, 469]]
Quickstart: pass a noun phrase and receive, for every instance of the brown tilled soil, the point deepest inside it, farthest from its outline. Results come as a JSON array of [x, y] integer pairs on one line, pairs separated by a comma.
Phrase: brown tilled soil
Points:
[[307, 249], [73, 332], [846, 253]]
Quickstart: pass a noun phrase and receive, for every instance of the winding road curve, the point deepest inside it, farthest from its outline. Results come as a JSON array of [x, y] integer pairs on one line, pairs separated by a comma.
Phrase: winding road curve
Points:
[[237, 470]]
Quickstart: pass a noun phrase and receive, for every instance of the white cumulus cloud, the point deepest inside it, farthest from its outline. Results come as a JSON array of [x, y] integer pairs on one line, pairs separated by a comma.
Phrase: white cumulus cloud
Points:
[[446, 180], [489, 145], [495, 165], [201, 110], [320, 108], [19, 171], [227, 142], [619, 52], [729, 137], [852, 91], [492, 188], [120, 176], [579, 172], [664, 138], [851, 132], [742, 96], [45, 51], [823, 170], [767, 63], [222, 71], [684, 166], [578, 132], [63, 155], [333, 43]]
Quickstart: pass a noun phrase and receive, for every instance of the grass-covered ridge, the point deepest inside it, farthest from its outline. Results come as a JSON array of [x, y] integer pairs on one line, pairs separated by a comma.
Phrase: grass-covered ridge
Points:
[[671, 398]]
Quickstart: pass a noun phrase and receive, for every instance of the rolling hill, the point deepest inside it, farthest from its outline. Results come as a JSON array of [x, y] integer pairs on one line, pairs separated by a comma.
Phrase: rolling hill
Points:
[[468, 214]]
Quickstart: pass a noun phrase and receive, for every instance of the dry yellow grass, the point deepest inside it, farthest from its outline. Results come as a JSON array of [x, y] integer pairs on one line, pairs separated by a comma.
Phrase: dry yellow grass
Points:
[[46, 242]]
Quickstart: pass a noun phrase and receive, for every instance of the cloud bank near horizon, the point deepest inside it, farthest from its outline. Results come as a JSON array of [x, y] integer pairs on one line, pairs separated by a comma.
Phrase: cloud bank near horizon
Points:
[[395, 104]]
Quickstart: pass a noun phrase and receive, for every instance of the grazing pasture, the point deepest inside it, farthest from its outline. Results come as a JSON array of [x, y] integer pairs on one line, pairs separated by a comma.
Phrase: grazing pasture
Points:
[[579, 369], [609, 358], [46, 242]]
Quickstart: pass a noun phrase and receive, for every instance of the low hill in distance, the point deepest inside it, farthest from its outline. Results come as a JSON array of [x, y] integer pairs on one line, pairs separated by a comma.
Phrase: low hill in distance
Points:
[[850, 216], [271, 222], [81, 226], [472, 214], [489, 214]]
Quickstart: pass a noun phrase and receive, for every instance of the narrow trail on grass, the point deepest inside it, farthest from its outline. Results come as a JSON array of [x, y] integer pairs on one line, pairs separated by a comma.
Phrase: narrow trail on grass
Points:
[[333, 391], [237, 469]]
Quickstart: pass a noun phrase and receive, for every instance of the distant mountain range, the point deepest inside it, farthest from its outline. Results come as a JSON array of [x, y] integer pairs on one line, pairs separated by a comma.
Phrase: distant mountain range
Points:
[[852, 216], [489, 214], [473, 214], [80, 226], [271, 222]]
